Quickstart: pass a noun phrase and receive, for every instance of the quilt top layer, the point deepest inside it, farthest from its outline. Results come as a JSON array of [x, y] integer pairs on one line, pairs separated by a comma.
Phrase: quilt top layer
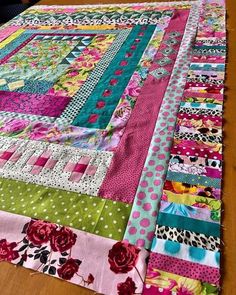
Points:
[[111, 145]]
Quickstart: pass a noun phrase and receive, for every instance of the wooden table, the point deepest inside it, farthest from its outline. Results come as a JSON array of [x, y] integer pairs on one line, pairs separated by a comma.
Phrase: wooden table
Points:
[[20, 281]]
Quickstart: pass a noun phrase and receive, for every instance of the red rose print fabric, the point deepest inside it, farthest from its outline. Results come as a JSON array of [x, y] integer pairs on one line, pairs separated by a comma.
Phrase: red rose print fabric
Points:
[[39, 232], [60, 251], [123, 257], [7, 252]]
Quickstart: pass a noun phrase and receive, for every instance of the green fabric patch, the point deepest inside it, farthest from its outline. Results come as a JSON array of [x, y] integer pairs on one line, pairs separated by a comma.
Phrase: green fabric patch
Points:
[[92, 214]]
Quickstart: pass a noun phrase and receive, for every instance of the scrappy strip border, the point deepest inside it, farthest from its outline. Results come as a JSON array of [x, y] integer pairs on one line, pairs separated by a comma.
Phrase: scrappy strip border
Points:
[[185, 253]]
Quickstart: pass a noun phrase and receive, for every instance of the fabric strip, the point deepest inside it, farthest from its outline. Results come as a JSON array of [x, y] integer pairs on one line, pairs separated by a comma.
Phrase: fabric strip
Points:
[[57, 166], [185, 268], [185, 252], [123, 175], [194, 179], [78, 253], [157, 280], [187, 237], [89, 213], [187, 223], [144, 210]]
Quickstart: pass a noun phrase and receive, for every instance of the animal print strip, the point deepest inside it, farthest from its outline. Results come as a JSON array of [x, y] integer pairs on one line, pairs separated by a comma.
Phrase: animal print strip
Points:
[[188, 237], [205, 112]]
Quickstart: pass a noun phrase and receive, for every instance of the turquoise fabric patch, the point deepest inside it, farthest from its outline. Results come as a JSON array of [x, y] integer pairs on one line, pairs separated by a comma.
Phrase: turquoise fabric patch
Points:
[[208, 67], [210, 47], [217, 257], [35, 86], [199, 105], [172, 247], [197, 254]]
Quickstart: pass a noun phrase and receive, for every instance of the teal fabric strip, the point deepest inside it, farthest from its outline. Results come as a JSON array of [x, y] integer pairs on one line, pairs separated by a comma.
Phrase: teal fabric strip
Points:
[[194, 179], [210, 47], [198, 105], [182, 222], [111, 100], [32, 86], [208, 67]]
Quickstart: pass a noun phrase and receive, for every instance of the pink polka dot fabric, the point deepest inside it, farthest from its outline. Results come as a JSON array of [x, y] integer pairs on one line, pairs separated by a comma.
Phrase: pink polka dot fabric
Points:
[[185, 268], [149, 190]]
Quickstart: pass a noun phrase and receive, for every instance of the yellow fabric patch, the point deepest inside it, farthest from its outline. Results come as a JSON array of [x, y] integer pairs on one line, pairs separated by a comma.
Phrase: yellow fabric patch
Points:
[[187, 199], [3, 82], [164, 279], [15, 85]]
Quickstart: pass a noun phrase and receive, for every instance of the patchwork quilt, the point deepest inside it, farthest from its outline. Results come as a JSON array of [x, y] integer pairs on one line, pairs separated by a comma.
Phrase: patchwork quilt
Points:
[[111, 145]]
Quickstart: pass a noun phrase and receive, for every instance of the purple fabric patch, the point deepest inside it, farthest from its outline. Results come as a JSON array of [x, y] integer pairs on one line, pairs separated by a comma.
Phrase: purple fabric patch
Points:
[[35, 104]]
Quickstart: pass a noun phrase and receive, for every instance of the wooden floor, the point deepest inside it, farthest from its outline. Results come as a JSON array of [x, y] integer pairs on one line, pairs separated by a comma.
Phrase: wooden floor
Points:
[[20, 281]]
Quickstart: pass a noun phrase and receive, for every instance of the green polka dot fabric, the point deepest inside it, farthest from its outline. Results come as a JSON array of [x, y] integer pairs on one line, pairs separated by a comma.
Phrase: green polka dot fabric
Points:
[[92, 214]]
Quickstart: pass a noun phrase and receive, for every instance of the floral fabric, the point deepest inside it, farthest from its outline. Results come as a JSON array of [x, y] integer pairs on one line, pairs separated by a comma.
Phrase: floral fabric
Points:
[[159, 282], [59, 251]]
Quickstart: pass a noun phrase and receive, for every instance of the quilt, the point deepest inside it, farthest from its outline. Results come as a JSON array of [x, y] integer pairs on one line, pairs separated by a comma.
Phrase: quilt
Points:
[[111, 145]]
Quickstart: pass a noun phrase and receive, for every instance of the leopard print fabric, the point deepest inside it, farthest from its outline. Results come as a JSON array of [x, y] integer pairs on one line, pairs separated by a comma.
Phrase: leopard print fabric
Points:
[[187, 237], [198, 137], [203, 112], [205, 79]]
